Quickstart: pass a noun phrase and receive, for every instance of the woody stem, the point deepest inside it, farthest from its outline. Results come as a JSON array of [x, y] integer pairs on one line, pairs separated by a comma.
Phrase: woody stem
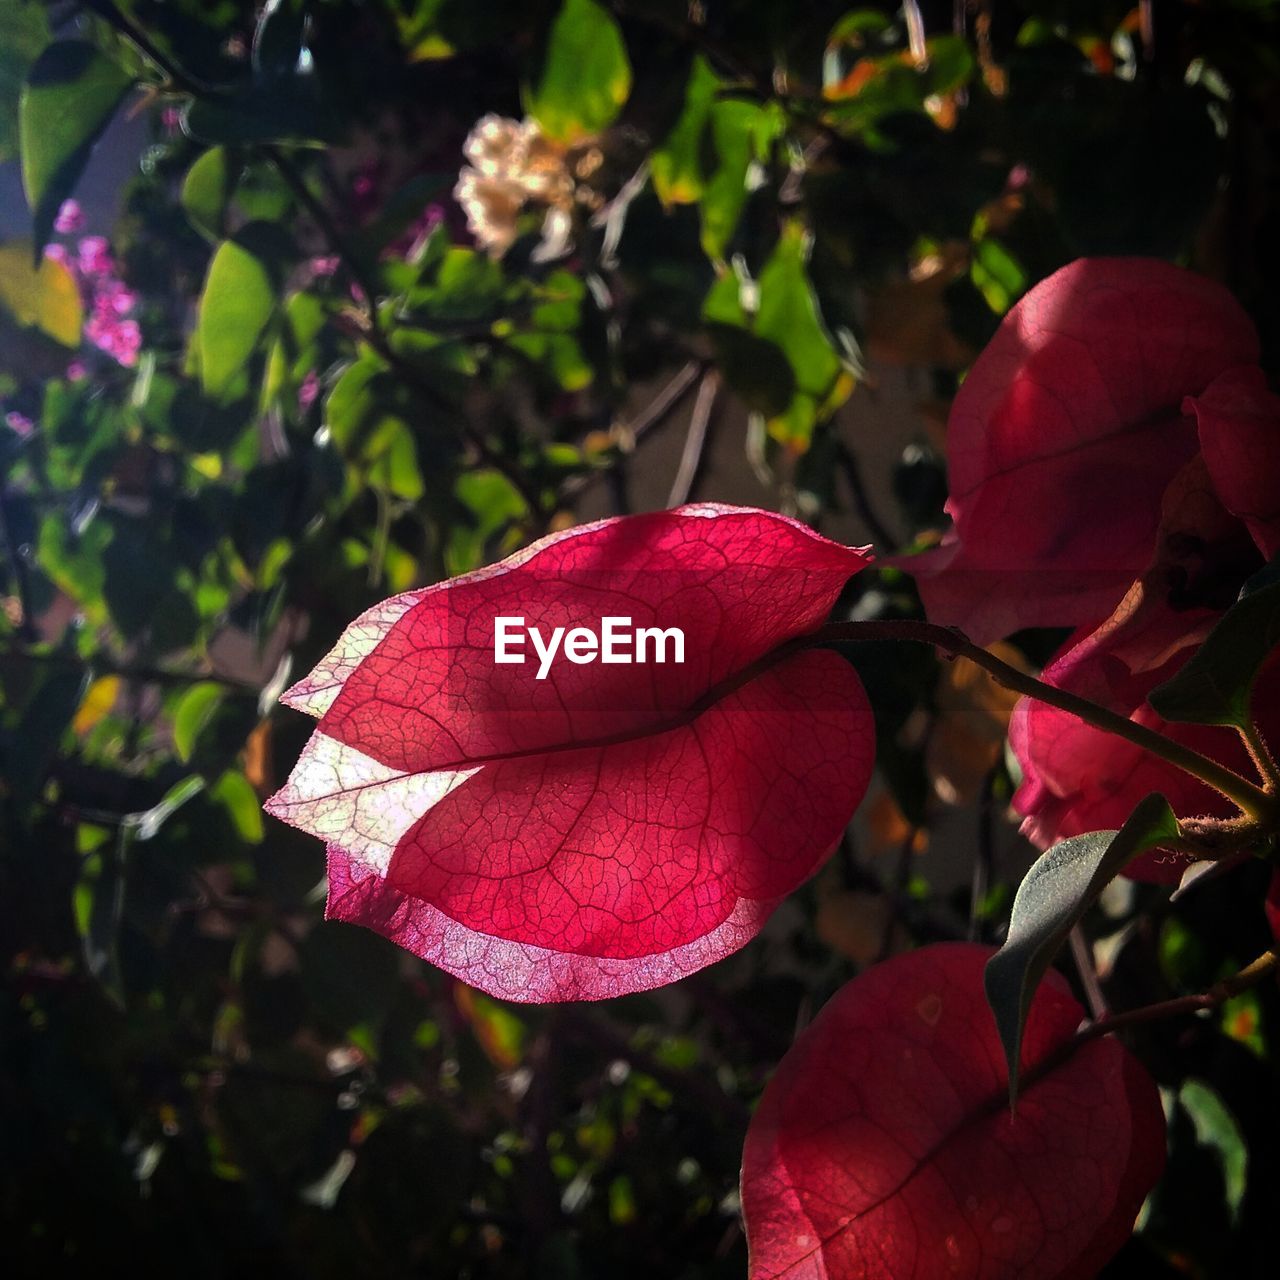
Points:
[[1250, 798], [1265, 966]]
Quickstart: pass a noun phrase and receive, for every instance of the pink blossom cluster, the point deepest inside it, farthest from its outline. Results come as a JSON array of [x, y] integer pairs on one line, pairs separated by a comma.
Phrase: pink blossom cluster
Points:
[[108, 302]]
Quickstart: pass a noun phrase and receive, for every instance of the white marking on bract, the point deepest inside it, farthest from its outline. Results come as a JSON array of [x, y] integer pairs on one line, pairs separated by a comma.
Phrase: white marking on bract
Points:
[[346, 797], [315, 693]]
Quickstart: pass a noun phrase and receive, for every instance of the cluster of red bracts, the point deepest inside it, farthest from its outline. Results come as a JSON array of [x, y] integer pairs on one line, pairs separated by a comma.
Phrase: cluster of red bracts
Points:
[[1115, 464]]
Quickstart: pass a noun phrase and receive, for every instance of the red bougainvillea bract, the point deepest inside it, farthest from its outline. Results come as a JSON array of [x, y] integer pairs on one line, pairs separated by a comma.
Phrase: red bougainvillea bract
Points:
[[1115, 467], [884, 1147], [606, 828]]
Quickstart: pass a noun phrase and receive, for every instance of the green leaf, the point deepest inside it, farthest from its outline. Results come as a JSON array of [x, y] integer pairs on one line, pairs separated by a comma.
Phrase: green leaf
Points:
[[45, 298], [788, 317], [236, 795], [206, 191], [676, 166], [70, 95], [734, 130], [24, 32], [1051, 900], [237, 304], [493, 502], [295, 352], [195, 709], [1216, 684], [393, 459], [997, 274], [586, 75], [1216, 1128]]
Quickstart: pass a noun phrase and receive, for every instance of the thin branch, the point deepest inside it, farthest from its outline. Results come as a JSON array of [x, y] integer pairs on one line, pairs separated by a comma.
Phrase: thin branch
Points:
[[651, 416], [1083, 958], [695, 441], [1260, 754], [125, 26], [1265, 966], [915, 33], [134, 675], [1251, 799], [656, 411]]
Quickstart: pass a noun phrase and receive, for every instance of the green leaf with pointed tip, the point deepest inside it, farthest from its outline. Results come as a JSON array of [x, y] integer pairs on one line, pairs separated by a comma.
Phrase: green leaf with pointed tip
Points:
[[206, 191], [676, 166], [1050, 902], [194, 711], [1216, 1128], [586, 75], [237, 304], [70, 95], [236, 795], [734, 133], [1216, 685], [788, 317]]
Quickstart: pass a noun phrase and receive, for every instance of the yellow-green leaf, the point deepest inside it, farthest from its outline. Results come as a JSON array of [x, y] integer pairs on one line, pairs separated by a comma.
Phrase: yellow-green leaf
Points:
[[43, 298], [586, 75]]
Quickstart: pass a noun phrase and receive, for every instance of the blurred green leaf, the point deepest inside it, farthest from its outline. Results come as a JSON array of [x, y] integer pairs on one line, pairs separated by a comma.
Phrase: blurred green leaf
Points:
[[586, 75], [1215, 686], [45, 298], [285, 109], [236, 795], [493, 502], [1216, 1128], [738, 136], [206, 191], [237, 304], [24, 32], [71, 93], [193, 712], [676, 165], [998, 275], [788, 317]]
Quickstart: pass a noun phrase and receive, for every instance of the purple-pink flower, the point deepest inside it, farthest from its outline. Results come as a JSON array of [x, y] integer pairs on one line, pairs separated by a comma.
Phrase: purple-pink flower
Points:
[[94, 256], [109, 303], [70, 218]]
